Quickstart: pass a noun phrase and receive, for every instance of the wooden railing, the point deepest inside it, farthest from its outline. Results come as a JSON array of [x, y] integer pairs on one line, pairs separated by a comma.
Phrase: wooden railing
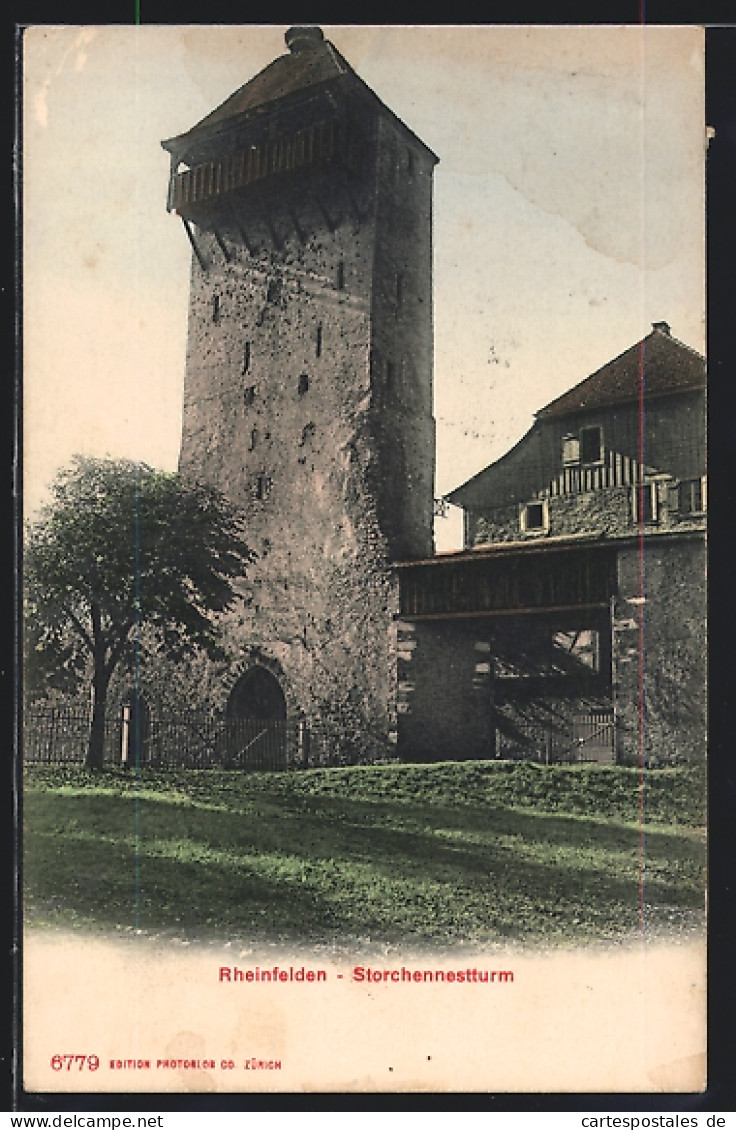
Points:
[[500, 584], [319, 144]]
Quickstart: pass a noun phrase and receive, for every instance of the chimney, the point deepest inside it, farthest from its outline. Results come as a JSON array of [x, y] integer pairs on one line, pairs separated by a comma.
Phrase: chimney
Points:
[[305, 38], [662, 327]]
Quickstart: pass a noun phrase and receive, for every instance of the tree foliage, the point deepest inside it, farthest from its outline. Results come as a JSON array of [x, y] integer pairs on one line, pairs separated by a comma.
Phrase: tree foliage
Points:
[[119, 548]]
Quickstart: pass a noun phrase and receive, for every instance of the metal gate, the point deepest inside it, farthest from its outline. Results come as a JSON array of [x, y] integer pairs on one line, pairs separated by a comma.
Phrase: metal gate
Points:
[[594, 736], [254, 743]]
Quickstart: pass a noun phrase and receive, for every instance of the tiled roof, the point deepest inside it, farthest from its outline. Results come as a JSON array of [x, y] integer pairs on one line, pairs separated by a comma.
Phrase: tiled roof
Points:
[[311, 61], [667, 366], [288, 74], [284, 76], [514, 477]]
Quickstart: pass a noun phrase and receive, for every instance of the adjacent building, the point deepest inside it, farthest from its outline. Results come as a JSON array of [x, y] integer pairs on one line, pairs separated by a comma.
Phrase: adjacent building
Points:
[[572, 625]]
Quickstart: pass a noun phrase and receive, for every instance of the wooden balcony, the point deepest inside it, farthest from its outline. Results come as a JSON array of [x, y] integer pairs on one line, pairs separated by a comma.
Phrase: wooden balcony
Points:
[[507, 582], [319, 145]]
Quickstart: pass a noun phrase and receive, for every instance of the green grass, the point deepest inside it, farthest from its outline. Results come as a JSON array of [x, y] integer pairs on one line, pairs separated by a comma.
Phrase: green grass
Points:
[[457, 853]]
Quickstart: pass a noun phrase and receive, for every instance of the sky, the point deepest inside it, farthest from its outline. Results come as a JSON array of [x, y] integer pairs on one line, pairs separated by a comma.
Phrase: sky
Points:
[[568, 216]]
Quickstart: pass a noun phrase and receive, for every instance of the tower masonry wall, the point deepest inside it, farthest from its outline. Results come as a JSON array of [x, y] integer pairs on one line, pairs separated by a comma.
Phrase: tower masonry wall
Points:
[[288, 411]]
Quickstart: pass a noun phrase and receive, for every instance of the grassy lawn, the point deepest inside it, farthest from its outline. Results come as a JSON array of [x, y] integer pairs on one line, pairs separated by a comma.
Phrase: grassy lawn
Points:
[[457, 853]]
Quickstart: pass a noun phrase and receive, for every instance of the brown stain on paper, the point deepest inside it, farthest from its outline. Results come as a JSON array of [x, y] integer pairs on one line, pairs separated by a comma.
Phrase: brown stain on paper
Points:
[[681, 1075], [190, 1046]]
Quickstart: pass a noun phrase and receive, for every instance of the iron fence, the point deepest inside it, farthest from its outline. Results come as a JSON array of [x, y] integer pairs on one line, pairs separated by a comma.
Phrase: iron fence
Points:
[[58, 736], [201, 740], [195, 740], [582, 737]]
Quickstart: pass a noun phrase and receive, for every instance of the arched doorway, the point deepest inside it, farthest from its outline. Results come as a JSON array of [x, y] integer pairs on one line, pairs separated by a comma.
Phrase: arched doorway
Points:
[[256, 721], [136, 729], [257, 694]]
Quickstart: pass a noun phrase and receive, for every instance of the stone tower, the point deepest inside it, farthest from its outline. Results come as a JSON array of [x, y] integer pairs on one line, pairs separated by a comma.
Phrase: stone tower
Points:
[[308, 388]]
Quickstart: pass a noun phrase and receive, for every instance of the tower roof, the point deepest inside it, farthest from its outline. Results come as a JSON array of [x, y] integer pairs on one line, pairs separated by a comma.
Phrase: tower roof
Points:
[[312, 62]]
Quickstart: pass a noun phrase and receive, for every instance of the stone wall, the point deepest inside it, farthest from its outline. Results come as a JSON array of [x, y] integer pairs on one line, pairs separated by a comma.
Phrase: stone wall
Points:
[[444, 708], [610, 512], [603, 513], [659, 632], [308, 401], [401, 349]]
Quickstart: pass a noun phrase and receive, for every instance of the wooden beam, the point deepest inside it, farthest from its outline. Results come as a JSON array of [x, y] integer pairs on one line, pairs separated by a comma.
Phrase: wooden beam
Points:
[[484, 614], [223, 246], [359, 215], [297, 226], [323, 210], [174, 168], [240, 228], [263, 208], [195, 248]]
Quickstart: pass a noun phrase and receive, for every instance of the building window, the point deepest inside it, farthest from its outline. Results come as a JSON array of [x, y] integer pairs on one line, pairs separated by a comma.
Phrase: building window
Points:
[[263, 486], [253, 439], [318, 342], [340, 276], [273, 291], [591, 445], [570, 450], [216, 311], [692, 496], [246, 357], [307, 433], [303, 385], [534, 517], [645, 504], [249, 395]]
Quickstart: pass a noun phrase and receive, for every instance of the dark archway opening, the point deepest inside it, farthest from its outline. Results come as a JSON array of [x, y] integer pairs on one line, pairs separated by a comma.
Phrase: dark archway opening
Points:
[[256, 721], [257, 695]]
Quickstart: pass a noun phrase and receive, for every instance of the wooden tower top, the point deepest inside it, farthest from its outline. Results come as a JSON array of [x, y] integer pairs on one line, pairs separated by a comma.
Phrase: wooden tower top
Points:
[[313, 70]]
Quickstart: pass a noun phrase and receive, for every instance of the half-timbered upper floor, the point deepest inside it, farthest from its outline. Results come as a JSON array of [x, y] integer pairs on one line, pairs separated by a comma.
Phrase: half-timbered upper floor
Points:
[[623, 450]]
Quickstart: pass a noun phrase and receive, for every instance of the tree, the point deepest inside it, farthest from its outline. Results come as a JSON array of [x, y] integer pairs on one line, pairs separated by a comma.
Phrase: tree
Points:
[[122, 547]]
